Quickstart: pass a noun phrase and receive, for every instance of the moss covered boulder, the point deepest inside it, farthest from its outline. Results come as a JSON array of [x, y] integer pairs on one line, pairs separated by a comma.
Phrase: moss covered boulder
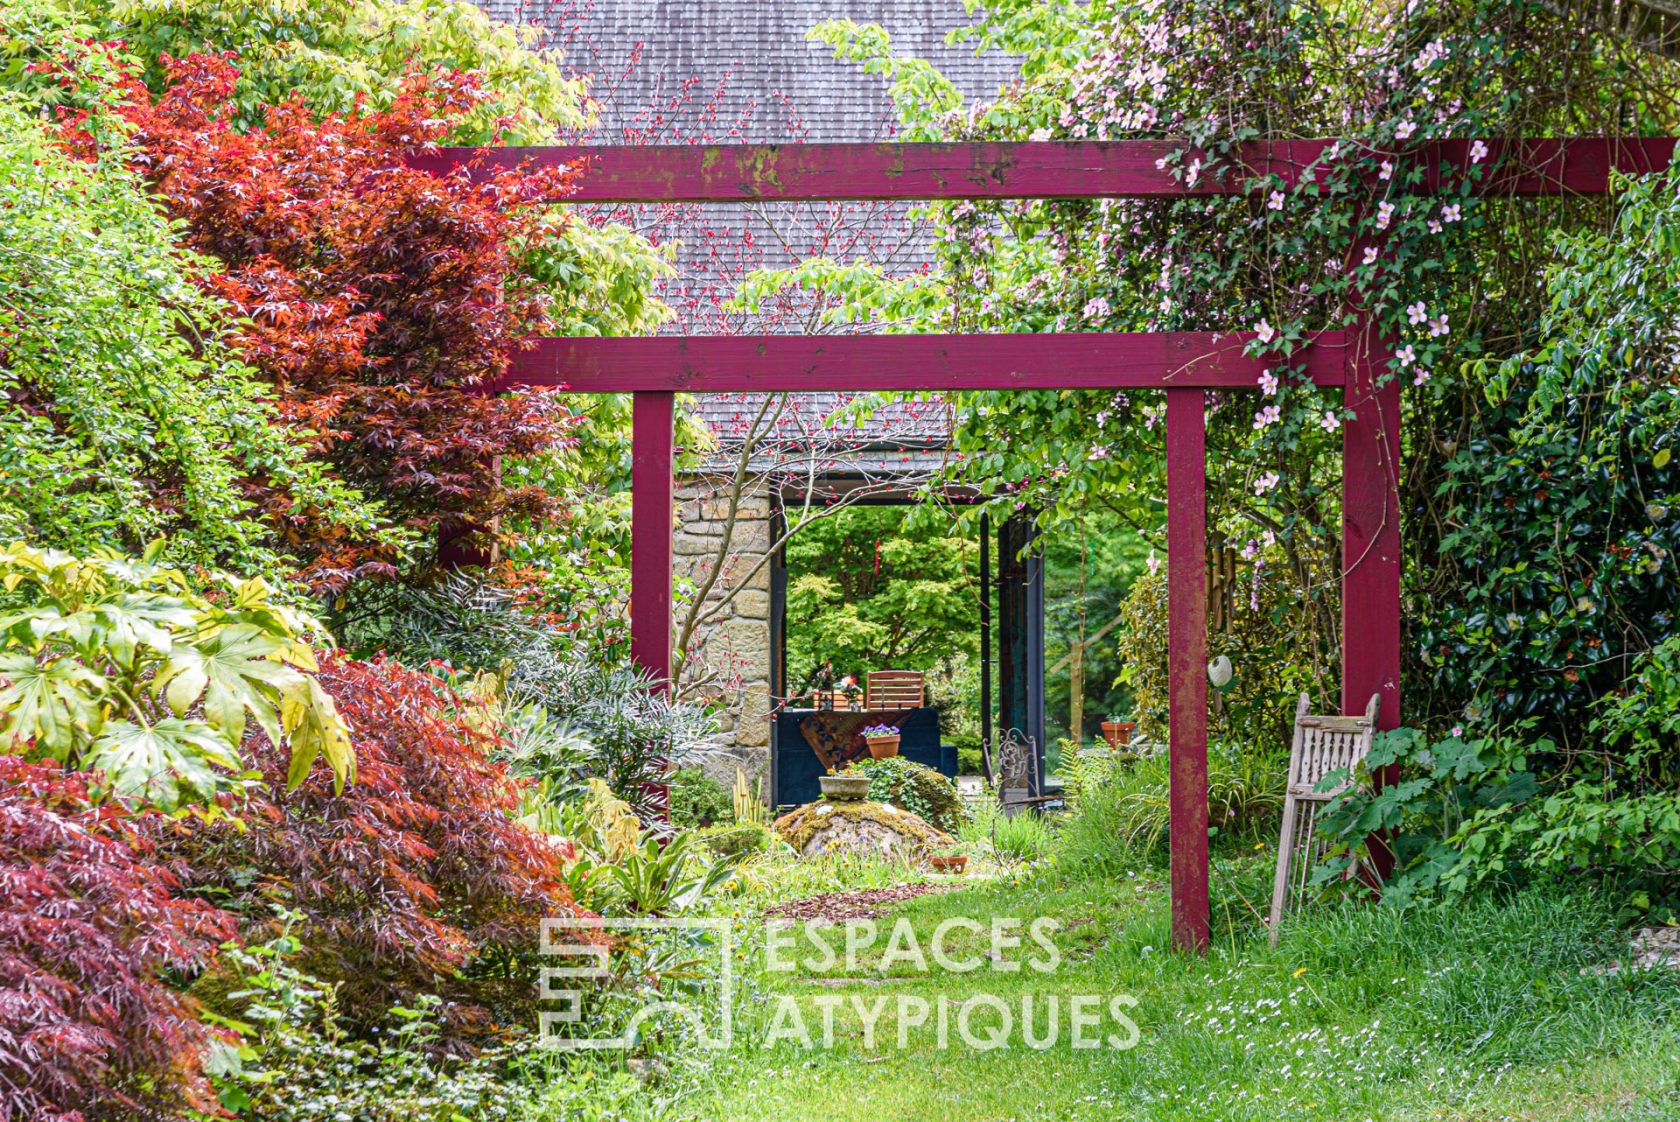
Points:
[[825, 827]]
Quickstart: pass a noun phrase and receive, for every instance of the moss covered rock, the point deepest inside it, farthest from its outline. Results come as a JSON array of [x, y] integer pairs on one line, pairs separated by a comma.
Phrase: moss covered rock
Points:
[[826, 827]]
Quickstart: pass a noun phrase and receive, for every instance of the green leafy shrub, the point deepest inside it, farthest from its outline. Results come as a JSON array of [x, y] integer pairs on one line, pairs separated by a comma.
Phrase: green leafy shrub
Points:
[[916, 788], [615, 867], [627, 728], [740, 840], [127, 415], [297, 1061], [125, 669], [670, 879], [1085, 770], [985, 814], [1560, 507], [1025, 836], [1641, 722], [1471, 809], [337, 53], [1258, 708], [699, 800], [1545, 636]]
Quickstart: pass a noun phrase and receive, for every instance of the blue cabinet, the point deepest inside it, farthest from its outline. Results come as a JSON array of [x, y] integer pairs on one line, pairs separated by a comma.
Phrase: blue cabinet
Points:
[[801, 740]]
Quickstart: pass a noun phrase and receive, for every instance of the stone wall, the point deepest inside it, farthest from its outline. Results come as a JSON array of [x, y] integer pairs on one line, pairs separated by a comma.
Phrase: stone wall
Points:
[[729, 655]]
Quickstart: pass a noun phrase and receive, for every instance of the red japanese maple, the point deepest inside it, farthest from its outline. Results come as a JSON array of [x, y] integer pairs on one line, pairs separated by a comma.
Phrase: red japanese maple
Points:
[[414, 880], [383, 302], [87, 926]]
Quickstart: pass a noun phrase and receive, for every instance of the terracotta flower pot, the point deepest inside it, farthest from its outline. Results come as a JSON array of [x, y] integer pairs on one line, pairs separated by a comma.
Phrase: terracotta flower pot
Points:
[[880, 747], [1118, 733], [954, 864]]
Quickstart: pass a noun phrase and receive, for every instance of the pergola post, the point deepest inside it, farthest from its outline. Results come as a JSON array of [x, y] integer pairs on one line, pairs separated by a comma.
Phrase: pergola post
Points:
[[1187, 664], [651, 527], [1371, 545]]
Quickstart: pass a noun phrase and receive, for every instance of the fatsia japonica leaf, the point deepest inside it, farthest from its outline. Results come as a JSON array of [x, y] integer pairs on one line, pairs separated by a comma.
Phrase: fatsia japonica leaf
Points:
[[48, 704], [166, 764], [311, 718], [242, 678], [184, 689], [122, 666]]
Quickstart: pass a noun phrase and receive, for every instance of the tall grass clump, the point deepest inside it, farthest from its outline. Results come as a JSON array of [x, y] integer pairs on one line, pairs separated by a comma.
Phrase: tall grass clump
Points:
[[1116, 824], [1024, 837]]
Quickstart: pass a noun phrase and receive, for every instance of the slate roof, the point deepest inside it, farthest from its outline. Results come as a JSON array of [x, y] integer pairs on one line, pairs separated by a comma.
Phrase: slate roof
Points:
[[731, 71], [758, 49], [899, 442]]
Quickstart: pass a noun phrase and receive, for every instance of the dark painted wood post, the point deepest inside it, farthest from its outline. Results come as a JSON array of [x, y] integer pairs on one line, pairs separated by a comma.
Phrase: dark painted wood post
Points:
[[1020, 613], [651, 526], [468, 545], [1187, 664], [986, 646], [1371, 545], [651, 498]]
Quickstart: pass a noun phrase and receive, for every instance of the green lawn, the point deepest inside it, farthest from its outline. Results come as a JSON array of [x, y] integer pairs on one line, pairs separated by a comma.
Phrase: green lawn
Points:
[[1485, 1012]]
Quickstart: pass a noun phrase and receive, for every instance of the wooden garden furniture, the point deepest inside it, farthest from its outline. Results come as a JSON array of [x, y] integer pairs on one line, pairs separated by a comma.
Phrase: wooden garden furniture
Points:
[[886, 690], [1322, 745]]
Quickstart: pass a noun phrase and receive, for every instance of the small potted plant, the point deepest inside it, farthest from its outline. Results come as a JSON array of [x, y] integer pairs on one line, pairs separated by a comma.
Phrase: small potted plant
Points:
[[882, 740], [851, 691], [848, 788], [1117, 732], [951, 860]]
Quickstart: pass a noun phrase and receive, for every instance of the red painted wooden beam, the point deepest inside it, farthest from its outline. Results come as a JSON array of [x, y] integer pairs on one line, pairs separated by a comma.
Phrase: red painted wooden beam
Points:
[[1371, 549], [1024, 169], [651, 527], [1187, 666], [861, 363]]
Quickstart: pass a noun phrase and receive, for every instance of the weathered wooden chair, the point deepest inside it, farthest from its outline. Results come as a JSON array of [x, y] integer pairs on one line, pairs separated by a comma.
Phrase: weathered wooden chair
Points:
[[886, 690], [1322, 745]]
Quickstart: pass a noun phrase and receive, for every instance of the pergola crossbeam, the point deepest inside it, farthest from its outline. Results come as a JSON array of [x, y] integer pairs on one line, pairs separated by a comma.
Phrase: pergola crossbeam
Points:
[[1136, 169], [862, 363]]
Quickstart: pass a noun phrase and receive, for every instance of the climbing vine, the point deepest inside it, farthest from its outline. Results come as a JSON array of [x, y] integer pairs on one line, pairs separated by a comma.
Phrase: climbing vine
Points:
[[1446, 275]]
